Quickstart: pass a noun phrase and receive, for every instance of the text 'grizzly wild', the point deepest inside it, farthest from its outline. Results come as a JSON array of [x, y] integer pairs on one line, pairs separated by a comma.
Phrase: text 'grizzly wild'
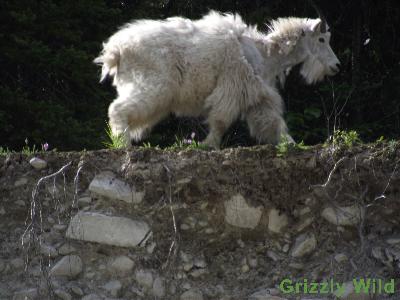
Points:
[[217, 67]]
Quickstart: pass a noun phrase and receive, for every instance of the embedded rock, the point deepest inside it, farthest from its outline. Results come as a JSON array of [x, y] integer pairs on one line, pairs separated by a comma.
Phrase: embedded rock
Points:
[[277, 221], [38, 163], [99, 228], [69, 266], [343, 216], [305, 244], [238, 213], [121, 265], [106, 184]]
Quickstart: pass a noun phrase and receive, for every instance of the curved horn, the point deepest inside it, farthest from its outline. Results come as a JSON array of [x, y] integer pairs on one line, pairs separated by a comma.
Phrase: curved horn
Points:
[[321, 16]]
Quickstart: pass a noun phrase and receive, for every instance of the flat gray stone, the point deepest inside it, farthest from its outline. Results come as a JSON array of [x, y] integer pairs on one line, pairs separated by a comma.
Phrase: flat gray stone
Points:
[[113, 287], [99, 228], [158, 288], [343, 216], [277, 221], [38, 163], [21, 182], [91, 297], [63, 294], [191, 295], [238, 213], [28, 294], [106, 184], [304, 244], [144, 278], [48, 250], [121, 265], [69, 266]]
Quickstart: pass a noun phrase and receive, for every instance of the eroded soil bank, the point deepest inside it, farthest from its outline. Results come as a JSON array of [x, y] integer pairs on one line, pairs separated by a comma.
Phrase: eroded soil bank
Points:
[[192, 224]]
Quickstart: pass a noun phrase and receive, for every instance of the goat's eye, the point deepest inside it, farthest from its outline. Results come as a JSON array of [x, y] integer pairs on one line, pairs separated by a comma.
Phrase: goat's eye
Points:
[[321, 40]]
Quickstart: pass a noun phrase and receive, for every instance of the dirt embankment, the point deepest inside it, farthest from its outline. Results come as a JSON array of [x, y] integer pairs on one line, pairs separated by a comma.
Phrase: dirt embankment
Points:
[[231, 224]]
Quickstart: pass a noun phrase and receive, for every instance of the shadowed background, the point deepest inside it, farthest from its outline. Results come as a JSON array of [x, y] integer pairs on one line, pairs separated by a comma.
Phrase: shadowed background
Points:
[[49, 89]]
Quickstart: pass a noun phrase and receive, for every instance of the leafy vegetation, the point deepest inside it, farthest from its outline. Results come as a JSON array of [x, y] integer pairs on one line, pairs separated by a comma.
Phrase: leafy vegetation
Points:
[[114, 141], [285, 147], [345, 138]]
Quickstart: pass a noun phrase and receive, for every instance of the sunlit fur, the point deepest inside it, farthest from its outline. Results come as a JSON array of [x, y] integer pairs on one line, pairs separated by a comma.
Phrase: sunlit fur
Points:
[[217, 67]]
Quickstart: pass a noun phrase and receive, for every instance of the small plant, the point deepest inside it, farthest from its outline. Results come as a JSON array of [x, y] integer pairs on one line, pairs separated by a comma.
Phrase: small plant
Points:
[[28, 150], [4, 151], [190, 143], [345, 138], [284, 147], [45, 147], [148, 145], [116, 141]]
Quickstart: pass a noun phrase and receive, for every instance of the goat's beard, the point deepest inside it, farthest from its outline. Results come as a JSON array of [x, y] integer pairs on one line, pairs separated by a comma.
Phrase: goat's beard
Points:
[[312, 70]]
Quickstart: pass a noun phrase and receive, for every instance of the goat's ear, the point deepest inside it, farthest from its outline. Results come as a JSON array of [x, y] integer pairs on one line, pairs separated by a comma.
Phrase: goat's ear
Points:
[[316, 26]]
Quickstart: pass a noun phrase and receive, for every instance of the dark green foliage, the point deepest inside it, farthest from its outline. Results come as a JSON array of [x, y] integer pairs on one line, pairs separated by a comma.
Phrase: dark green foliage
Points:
[[49, 90]]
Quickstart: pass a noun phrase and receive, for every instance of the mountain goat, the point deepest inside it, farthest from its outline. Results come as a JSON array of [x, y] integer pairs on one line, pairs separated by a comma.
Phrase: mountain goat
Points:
[[217, 67]]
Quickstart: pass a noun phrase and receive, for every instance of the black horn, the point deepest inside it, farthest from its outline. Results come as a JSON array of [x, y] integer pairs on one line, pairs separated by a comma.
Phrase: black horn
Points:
[[321, 16]]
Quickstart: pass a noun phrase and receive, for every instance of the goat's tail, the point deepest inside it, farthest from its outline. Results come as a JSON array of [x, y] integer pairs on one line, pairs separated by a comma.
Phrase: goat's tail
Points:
[[109, 59]]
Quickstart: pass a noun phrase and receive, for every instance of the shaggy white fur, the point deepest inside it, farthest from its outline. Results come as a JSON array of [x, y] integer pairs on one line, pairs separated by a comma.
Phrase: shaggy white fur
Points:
[[217, 67]]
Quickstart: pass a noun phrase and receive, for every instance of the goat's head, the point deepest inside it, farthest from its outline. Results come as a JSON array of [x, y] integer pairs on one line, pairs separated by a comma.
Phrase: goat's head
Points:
[[320, 60]]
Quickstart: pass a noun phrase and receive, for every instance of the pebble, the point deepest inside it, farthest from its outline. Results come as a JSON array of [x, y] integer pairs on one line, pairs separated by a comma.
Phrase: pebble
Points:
[[191, 295], [59, 227], [69, 266], [304, 244], [109, 230], [84, 201], [121, 265], [277, 221], [77, 290], [113, 287], [48, 250], [38, 163], [91, 297], [106, 184], [2, 265], [28, 294], [66, 249], [199, 262], [198, 272], [17, 263], [21, 182], [20, 203], [343, 216], [150, 247], [144, 278], [158, 287], [245, 268], [393, 240], [341, 257], [62, 294], [240, 214]]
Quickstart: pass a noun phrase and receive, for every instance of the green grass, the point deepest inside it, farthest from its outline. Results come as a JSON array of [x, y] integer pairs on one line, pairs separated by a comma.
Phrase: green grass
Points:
[[115, 141], [26, 149], [4, 151], [284, 147], [29, 151], [181, 143]]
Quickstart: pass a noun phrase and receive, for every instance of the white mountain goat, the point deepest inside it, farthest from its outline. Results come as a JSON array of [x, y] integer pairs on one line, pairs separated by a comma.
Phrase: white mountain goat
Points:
[[217, 67]]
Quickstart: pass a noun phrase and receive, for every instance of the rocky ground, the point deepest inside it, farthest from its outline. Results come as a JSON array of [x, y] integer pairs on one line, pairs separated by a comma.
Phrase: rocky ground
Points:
[[243, 223]]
